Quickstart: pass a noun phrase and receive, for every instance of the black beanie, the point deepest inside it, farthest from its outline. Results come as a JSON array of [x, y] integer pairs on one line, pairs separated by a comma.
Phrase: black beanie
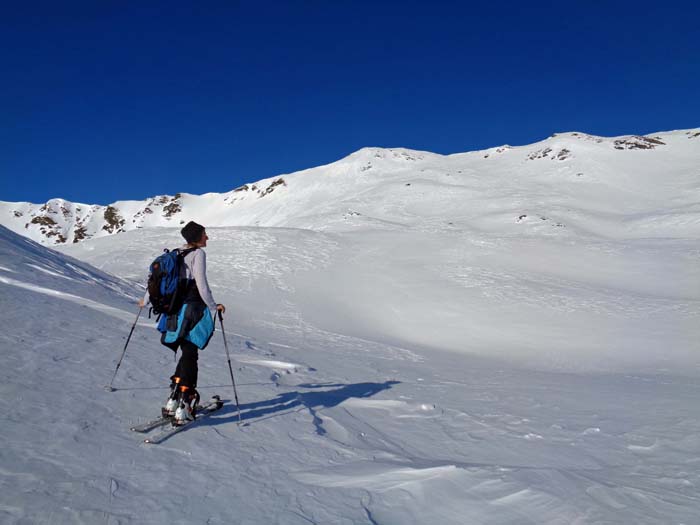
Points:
[[192, 232]]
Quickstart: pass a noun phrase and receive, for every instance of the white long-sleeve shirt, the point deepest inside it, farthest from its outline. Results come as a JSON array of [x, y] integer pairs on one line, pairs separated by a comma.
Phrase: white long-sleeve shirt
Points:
[[196, 268]]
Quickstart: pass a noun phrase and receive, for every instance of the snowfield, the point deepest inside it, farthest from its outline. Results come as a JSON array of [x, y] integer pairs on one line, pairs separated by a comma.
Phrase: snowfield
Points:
[[515, 343]]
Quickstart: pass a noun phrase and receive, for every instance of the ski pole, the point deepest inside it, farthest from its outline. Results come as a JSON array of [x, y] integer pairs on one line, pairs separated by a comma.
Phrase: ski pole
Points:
[[110, 388], [230, 369]]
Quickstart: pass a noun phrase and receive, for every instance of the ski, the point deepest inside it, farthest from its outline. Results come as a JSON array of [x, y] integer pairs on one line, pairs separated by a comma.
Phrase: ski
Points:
[[203, 412], [159, 421], [150, 425]]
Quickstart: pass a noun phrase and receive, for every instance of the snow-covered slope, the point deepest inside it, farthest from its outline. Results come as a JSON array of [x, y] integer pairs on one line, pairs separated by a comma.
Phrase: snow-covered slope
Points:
[[342, 425], [498, 337], [568, 182], [543, 301], [30, 266]]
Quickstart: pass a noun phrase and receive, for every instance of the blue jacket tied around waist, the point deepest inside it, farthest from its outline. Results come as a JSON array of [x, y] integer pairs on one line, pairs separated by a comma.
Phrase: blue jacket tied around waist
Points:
[[192, 323]]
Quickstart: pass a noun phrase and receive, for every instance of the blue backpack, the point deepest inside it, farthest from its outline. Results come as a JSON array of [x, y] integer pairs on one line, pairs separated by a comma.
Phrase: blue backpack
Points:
[[167, 285]]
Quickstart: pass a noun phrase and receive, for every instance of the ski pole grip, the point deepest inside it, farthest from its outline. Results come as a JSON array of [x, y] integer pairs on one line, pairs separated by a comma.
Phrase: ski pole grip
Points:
[[221, 316]]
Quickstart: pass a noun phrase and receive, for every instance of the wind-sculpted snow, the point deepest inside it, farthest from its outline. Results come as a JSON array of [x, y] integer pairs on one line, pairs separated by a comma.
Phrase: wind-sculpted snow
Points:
[[35, 265]]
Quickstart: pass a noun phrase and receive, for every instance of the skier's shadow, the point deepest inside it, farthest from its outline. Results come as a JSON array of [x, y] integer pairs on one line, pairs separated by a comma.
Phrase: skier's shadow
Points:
[[297, 400]]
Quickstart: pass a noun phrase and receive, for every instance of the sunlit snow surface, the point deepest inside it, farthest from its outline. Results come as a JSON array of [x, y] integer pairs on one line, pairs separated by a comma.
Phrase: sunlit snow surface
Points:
[[389, 371]]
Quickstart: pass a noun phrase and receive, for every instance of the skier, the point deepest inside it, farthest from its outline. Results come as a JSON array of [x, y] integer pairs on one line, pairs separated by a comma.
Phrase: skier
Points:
[[191, 327]]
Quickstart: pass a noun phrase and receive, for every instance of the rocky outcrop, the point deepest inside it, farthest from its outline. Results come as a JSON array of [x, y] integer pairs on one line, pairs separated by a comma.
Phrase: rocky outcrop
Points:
[[637, 142], [114, 221]]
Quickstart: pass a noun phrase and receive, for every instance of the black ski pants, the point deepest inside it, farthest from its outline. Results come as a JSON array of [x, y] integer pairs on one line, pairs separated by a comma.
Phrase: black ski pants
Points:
[[187, 365]]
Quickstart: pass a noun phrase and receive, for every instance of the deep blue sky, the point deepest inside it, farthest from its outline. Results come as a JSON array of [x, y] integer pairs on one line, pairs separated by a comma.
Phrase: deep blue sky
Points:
[[109, 100]]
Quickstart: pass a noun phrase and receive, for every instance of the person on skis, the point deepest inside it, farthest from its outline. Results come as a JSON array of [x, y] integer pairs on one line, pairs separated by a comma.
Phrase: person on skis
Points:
[[191, 327]]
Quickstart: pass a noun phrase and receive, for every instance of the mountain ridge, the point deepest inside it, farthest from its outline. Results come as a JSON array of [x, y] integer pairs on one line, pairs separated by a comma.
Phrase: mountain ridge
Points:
[[322, 197]]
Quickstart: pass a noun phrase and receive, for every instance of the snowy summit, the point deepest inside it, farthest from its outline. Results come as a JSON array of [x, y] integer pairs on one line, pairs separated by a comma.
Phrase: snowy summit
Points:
[[589, 183]]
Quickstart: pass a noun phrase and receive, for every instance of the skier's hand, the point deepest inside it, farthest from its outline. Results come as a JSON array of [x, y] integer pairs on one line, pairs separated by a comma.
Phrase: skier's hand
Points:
[[141, 303], [221, 308]]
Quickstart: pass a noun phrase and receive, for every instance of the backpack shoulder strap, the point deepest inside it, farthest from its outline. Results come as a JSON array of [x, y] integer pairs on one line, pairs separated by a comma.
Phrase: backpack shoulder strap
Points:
[[181, 254], [180, 251]]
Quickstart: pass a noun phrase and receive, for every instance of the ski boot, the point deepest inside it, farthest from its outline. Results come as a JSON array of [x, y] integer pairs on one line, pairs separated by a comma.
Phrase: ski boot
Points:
[[186, 410], [173, 399]]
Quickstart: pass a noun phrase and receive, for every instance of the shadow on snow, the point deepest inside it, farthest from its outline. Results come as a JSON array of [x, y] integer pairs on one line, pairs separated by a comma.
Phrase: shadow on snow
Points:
[[289, 401]]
